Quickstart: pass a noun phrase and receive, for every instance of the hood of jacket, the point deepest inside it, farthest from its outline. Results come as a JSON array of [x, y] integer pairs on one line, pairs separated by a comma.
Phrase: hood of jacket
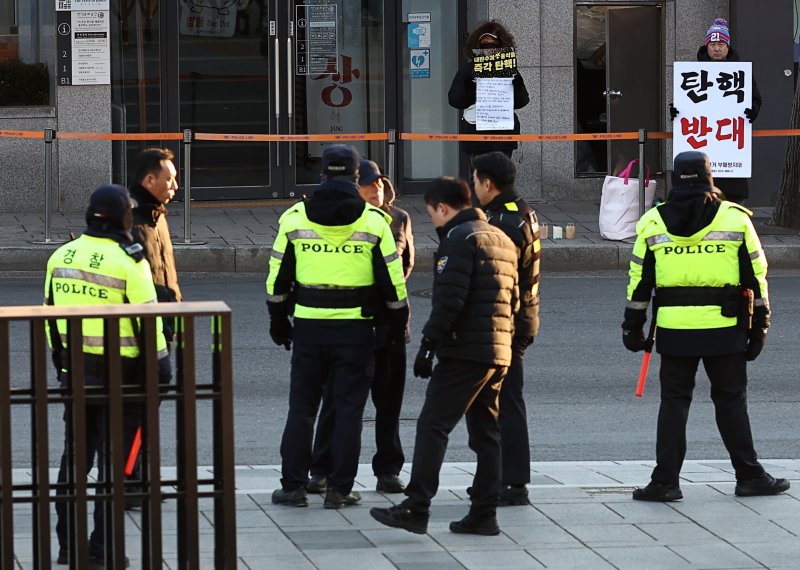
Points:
[[335, 205], [686, 211]]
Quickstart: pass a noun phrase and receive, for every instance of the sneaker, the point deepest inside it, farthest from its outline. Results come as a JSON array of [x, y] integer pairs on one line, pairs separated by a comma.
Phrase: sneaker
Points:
[[513, 495], [658, 492], [472, 524], [98, 562], [317, 484], [764, 485], [296, 498], [399, 516], [337, 500], [390, 484]]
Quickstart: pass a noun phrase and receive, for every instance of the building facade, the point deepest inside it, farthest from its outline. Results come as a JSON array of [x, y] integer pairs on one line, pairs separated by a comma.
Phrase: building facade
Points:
[[360, 66]]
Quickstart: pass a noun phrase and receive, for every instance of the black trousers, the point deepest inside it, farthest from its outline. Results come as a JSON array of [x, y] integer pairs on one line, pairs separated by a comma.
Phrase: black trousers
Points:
[[728, 376], [458, 388], [387, 391], [349, 371], [514, 424], [96, 422]]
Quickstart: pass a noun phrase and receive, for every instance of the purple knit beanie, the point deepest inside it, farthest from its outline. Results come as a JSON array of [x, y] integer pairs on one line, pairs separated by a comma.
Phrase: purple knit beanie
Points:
[[718, 32]]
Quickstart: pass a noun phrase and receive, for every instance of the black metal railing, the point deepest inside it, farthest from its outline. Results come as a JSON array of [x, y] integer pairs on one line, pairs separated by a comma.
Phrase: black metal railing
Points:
[[111, 492]]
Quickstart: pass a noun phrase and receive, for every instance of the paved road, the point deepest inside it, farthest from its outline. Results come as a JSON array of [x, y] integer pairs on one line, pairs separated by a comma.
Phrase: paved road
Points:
[[579, 389]]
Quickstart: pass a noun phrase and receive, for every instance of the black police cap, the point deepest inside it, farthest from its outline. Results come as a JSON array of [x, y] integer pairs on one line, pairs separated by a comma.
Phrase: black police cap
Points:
[[691, 167], [340, 160]]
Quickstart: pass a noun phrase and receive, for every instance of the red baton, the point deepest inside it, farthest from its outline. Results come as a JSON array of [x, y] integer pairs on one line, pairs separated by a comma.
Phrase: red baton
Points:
[[643, 374], [137, 445]]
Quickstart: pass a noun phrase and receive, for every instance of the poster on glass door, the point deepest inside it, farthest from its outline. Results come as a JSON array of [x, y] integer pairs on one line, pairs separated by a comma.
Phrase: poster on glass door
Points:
[[336, 98], [215, 18]]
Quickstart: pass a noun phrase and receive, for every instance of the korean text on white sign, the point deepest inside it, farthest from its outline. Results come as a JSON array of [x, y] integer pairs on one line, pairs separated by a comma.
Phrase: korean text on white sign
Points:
[[711, 98]]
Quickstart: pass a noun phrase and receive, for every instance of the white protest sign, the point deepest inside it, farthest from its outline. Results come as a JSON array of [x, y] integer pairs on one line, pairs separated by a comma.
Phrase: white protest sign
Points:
[[494, 105], [711, 98]]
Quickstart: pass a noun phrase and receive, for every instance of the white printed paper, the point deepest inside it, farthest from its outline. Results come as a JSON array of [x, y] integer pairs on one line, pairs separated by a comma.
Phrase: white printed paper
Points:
[[91, 49], [79, 5], [711, 98], [494, 106]]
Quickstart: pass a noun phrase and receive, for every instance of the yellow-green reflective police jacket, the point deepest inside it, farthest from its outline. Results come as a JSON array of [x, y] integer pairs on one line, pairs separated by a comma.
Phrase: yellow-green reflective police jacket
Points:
[[709, 258], [334, 261], [97, 271]]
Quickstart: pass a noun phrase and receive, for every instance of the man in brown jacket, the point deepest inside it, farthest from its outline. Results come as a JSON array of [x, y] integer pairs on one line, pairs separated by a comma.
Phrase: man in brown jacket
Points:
[[155, 185]]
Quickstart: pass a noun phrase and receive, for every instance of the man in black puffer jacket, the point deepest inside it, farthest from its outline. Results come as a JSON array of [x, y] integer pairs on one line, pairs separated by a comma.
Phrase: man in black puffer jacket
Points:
[[470, 328]]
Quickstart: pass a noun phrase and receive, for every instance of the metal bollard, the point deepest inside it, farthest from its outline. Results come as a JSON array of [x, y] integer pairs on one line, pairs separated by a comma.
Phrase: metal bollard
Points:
[[187, 189], [642, 170], [391, 144], [49, 136]]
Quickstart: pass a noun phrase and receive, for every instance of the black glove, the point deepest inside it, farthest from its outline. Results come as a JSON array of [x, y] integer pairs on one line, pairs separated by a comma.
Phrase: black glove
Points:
[[398, 321], [750, 114], [755, 343], [423, 363], [164, 370], [521, 342], [280, 329], [673, 112], [633, 337]]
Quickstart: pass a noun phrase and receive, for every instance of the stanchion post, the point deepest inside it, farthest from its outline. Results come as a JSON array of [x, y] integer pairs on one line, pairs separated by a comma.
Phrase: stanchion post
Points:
[[187, 189], [642, 170], [391, 147], [49, 136]]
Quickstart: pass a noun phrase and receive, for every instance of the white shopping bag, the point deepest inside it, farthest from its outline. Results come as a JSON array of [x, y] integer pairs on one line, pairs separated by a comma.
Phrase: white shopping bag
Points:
[[619, 204]]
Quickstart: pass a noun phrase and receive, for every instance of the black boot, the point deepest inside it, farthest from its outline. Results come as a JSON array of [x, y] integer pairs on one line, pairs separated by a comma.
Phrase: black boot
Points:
[[472, 524], [658, 492], [764, 485], [337, 500], [399, 516], [513, 495]]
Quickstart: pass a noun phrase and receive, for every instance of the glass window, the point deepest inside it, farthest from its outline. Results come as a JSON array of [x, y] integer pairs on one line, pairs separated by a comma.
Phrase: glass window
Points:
[[24, 74]]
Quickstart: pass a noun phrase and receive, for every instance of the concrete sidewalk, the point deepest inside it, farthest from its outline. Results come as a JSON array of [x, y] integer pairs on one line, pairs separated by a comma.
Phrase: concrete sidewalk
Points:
[[239, 236], [582, 516]]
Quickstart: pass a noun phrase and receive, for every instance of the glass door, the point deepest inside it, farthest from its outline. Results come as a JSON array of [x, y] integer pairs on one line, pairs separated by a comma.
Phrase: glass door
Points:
[[334, 77], [228, 83]]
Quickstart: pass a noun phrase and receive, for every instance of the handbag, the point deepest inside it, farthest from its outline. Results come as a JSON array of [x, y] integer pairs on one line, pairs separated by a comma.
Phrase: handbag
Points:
[[619, 204]]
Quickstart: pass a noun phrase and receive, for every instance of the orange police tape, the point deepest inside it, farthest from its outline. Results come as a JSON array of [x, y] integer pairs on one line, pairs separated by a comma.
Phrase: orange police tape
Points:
[[254, 137]]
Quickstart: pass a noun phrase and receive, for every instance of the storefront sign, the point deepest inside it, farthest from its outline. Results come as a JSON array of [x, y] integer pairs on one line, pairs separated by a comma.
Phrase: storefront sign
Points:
[[79, 5], [711, 98], [494, 104], [419, 36], [215, 18], [84, 53], [419, 17], [420, 63], [317, 39]]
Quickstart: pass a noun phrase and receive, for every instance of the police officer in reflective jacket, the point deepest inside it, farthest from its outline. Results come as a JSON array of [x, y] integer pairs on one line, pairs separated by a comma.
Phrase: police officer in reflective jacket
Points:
[[705, 261], [102, 267], [334, 260], [494, 178]]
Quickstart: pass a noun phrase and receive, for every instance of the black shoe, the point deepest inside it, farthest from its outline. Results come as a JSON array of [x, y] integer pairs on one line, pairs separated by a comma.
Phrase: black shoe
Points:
[[399, 516], [63, 557], [658, 492], [296, 498], [513, 495], [317, 484], [471, 524], [98, 562], [337, 500], [390, 484], [764, 485]]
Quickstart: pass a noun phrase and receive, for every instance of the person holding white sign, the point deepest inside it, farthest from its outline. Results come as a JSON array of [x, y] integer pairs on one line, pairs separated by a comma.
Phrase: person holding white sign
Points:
[[464, 91], [717, 48]]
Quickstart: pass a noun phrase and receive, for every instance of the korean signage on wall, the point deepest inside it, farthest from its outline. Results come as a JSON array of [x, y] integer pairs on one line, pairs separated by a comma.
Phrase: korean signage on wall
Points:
[[82, 40], [711, 98], [317, 39]]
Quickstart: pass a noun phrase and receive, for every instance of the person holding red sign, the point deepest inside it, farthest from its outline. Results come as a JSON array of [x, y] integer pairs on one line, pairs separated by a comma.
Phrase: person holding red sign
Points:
[[717, 47]]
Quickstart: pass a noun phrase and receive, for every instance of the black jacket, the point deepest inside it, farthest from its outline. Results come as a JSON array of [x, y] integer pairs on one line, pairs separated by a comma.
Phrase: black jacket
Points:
[[518, 221], [475, 294], [734, 188], [462, 95], [151, 230]]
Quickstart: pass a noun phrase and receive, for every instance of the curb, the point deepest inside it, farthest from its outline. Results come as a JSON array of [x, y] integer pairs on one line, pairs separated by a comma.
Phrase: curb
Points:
[[562, 257]]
